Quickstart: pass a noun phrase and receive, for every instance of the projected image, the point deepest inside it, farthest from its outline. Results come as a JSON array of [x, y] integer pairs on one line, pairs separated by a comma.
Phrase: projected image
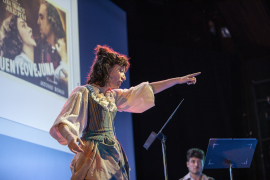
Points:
[[33, 44]]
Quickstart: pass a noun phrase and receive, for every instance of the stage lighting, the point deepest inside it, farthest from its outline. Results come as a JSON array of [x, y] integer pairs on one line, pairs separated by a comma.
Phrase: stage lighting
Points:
[[225, 32]]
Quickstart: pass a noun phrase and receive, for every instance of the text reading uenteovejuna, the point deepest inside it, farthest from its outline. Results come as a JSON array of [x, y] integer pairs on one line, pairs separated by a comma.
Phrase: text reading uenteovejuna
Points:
[[26, 68]]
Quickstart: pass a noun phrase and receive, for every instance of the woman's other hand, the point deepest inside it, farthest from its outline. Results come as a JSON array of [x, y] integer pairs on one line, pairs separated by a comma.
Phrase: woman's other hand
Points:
[[72, 143], [71, 138]]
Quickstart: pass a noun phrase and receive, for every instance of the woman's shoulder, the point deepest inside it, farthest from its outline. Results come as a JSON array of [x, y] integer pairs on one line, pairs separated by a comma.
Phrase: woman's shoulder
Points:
[[80, 90]]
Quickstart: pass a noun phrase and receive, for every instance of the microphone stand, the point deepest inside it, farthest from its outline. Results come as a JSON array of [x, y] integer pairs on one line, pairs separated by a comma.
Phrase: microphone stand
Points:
[[163, 138]]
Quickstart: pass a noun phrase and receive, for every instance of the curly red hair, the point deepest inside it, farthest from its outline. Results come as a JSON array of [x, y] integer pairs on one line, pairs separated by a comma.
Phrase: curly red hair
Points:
[[105, 59]]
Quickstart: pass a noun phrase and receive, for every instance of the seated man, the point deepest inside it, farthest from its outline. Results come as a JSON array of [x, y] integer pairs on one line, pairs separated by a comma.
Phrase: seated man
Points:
[[195, 162]]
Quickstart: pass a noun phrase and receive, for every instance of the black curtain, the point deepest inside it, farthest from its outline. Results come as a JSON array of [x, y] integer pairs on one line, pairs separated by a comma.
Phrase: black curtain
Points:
[[207, 111]]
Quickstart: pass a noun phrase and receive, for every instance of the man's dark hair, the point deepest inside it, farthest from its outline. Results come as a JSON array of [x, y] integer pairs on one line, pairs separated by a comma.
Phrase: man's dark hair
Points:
[[55, 21], [195, 152], [105, 59]]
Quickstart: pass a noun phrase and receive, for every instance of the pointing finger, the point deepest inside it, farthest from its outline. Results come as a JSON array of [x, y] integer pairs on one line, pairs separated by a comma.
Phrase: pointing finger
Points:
[[194, 74]]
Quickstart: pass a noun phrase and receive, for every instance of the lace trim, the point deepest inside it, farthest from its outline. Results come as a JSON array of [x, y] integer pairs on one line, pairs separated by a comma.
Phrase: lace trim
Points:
[[107, 101]]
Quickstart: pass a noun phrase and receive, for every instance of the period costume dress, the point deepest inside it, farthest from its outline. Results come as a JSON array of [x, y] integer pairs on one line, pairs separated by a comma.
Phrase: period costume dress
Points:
[[90, 113]]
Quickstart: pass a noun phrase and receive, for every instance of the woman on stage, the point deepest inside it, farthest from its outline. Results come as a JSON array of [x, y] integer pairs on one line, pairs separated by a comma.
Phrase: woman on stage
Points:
[[90, 112]]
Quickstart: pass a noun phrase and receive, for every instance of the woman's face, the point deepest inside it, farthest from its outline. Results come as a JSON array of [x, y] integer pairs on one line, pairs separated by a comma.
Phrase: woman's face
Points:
[[117, 76], [25, 33]]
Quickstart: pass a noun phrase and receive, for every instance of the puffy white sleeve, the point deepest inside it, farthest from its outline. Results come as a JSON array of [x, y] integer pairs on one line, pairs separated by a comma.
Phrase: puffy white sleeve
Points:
[[74, 114], [135, 99]]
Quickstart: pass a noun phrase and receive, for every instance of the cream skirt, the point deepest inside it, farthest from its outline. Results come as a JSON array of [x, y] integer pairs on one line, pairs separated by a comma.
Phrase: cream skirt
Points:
[[100, 161]]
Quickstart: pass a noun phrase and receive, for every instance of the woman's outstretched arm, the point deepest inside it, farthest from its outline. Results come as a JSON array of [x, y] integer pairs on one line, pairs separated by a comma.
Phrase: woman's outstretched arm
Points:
[[165, 84]]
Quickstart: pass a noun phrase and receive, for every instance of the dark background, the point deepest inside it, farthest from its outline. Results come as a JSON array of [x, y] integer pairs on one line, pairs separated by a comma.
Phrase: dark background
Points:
[[168, 39]]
